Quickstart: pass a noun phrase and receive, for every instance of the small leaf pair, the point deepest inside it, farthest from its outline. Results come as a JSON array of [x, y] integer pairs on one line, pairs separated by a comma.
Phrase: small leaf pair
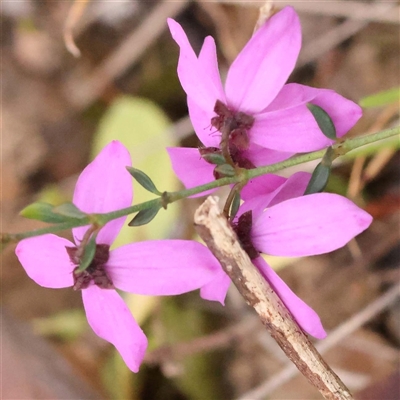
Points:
[[143, 217]]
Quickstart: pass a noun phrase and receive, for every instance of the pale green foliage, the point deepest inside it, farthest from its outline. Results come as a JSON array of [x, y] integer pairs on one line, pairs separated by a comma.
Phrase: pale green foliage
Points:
[[142, 127], [380, 99]]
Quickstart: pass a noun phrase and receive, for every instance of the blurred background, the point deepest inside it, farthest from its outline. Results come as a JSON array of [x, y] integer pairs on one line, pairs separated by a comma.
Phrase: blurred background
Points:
[[58, 111]]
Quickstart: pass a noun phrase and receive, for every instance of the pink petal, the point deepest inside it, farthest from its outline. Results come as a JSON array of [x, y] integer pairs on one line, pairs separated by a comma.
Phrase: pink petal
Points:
[[162, 267], [265, 63], [288, 125], [305, 316], [201, 121], [209, 64], [111, 319], [104, 186], [292, 95], [190, 168], [313, 224], [294, 186], [261, 156], [217, 289], [343, 112], [201, 117], [46, 260], [261, 185], [268, 190], [193, 74], [293, 130]]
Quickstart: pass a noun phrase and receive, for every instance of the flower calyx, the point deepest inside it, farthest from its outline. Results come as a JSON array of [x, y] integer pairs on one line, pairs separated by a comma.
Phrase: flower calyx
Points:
[[242, 228], [95, 272], [234, 127], [237, 124]]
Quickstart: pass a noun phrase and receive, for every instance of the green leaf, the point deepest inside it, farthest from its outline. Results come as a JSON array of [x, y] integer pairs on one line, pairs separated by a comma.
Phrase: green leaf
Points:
[[329, 157], [214, 158], [319, 179], [69, 210], [372, 148], [225, 170], [43, 212], [383, 98], [143, 180], [143, 217], [235, 206], [142, 127], [323, 120], [88, 254], [66, 325]]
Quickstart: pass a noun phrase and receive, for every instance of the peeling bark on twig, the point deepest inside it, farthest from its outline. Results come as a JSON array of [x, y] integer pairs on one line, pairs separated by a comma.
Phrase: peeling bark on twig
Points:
[[217, 233]]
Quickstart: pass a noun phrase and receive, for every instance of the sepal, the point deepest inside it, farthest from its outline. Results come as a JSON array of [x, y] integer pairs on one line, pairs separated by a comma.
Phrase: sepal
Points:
[[88, 254]]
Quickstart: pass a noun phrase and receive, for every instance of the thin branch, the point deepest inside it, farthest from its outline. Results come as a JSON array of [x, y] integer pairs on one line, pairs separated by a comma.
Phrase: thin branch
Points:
[[216, 232], [340, 148], [355, 10], [335, 337], [359, 16], [321, 45], [83, 94], [220, 20], [329, 40], [216, 340], [74, 15]]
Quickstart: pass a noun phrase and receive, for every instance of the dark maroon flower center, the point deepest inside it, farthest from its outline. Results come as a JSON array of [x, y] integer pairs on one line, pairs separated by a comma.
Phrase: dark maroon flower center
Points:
[[238, 124], [242, 229], [95, 272]]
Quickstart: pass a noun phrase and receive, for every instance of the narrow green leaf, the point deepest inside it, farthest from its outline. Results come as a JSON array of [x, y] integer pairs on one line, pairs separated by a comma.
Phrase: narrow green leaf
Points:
[[323, 120], [329, 157], [383, 98], [144, 180], [69, 210], [143, 217], [224, 170], [319, 179], [88, 255], [42, 212], [235, 206], [214, 158], [125, 120]]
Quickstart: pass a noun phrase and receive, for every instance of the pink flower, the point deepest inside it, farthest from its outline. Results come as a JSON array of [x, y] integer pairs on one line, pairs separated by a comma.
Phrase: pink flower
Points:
[[166, 267], [272, 120], [292, 226]]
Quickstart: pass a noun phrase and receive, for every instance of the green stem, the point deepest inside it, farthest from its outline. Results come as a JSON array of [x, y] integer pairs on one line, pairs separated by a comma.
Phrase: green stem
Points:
[[243, 176], [340, 149], [13, 237], [353, 143]]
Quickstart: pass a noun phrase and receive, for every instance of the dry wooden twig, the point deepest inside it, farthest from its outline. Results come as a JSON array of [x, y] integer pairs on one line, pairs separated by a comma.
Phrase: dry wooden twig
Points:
[[82, 94], [355, 10], [74, 15], [336, 336], [217, 233]]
